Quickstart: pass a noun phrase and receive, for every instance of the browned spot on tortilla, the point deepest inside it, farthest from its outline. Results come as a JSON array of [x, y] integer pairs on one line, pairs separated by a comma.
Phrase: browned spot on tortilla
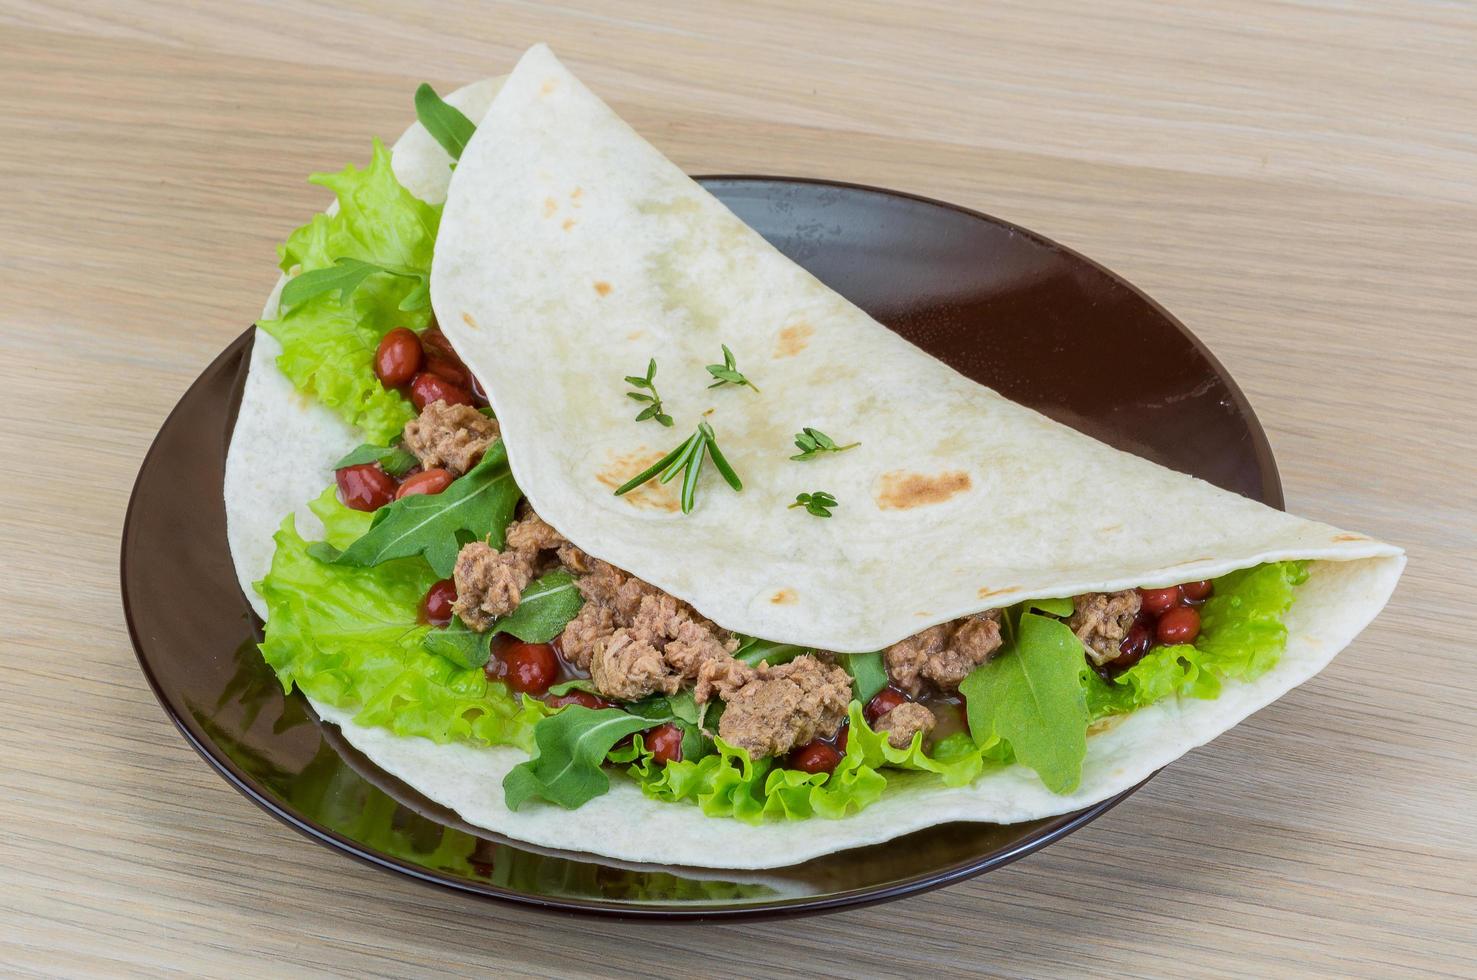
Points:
[[784, 597], [576, 194], [902, 490], [1114, 527], [985, 593], [650, 495], [636, 335], [550, 206], [793, 339], [1105, 724], [603, 288], [568, 223], [467, 319], [1350, 537], [548, 86], [923, 612]]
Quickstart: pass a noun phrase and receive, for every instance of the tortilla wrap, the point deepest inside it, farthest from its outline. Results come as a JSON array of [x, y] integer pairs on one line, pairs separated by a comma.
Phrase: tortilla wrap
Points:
[[570, 252]]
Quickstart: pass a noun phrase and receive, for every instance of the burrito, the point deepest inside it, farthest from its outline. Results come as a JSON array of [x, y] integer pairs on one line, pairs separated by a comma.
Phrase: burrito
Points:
[[588, 514]]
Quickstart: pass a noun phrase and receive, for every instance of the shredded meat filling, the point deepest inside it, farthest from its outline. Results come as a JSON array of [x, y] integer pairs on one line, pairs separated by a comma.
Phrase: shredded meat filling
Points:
[[779, 708], [904, 721], [489, 582], [1101, 620], [450, 436], [943, 654], [633, 638]]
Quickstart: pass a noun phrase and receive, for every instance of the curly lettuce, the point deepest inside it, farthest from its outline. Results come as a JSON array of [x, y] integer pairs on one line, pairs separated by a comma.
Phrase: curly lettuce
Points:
[[329, 340], [1241, 638], [350, 637]]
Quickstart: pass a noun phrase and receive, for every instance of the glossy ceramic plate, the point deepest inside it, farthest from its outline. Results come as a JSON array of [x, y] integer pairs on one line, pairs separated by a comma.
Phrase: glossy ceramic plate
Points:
[[1011, 309]]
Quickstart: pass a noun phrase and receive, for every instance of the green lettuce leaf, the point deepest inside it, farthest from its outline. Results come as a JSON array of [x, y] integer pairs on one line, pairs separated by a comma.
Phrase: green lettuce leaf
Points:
[[329, 339], [1241, 638], [350, 637]]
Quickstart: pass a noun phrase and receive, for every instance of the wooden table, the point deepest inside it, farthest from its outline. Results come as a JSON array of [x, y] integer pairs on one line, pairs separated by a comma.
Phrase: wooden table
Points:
[[1294, 180]]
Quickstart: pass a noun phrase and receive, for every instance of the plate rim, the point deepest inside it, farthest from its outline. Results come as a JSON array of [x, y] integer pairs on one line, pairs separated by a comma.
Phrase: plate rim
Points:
[[1063, 825]]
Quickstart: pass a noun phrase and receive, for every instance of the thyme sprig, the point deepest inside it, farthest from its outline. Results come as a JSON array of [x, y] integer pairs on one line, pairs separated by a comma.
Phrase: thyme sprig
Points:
[[687, 459], [817, 502], [653, 409], [728, 372], [813, 442]]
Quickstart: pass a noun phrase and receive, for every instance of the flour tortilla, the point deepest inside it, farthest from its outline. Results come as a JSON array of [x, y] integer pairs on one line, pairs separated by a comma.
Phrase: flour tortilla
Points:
[[570, 252]]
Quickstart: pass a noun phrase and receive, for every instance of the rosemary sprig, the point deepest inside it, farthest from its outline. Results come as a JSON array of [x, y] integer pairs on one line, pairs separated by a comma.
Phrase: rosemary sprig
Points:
[[653, 409], [728, 372], [687, 459], [813, 442], [817, 502]]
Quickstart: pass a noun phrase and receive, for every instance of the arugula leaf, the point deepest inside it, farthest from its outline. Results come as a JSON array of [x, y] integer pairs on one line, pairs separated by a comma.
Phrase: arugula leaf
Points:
[[1031, 697], [460, 644], [444, 121], [477, 505], [344, 277], [570, 745], [547, 605], [577, 684], [868, 675], [754, 651], [392, 460], [1062, 607]]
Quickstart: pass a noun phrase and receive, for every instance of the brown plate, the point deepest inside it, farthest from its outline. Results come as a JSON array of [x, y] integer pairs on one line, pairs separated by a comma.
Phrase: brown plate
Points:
[[1011, 309]]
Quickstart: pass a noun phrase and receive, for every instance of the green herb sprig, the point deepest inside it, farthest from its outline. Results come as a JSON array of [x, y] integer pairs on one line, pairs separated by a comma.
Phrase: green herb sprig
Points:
[[728, 372], [817, 502], [813, 442], [653, 409], [687, 459]]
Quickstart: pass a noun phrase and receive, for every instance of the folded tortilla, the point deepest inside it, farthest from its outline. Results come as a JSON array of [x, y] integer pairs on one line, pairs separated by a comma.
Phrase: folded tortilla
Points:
[[570, 252]]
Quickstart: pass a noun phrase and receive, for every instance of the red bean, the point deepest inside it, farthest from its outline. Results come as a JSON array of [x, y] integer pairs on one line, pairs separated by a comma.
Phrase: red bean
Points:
[[1157, 602], [435, 342], [813, 757], [665, 743], [1136, 644], [436, 606], [479, 396], [583, 698], [842, 735], [364, 487], [1198, 591], [426, 388], [1180, 625], [398, 357], [429, 481], [531, 667], [883, 702], [452, 370]]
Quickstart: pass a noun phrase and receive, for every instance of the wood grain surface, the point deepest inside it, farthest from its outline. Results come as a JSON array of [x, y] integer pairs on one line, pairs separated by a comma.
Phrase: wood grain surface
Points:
[[1295, 180]]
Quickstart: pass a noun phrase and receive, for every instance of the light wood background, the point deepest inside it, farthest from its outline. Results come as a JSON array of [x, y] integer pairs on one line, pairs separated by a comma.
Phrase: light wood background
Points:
[[1295, 180]]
